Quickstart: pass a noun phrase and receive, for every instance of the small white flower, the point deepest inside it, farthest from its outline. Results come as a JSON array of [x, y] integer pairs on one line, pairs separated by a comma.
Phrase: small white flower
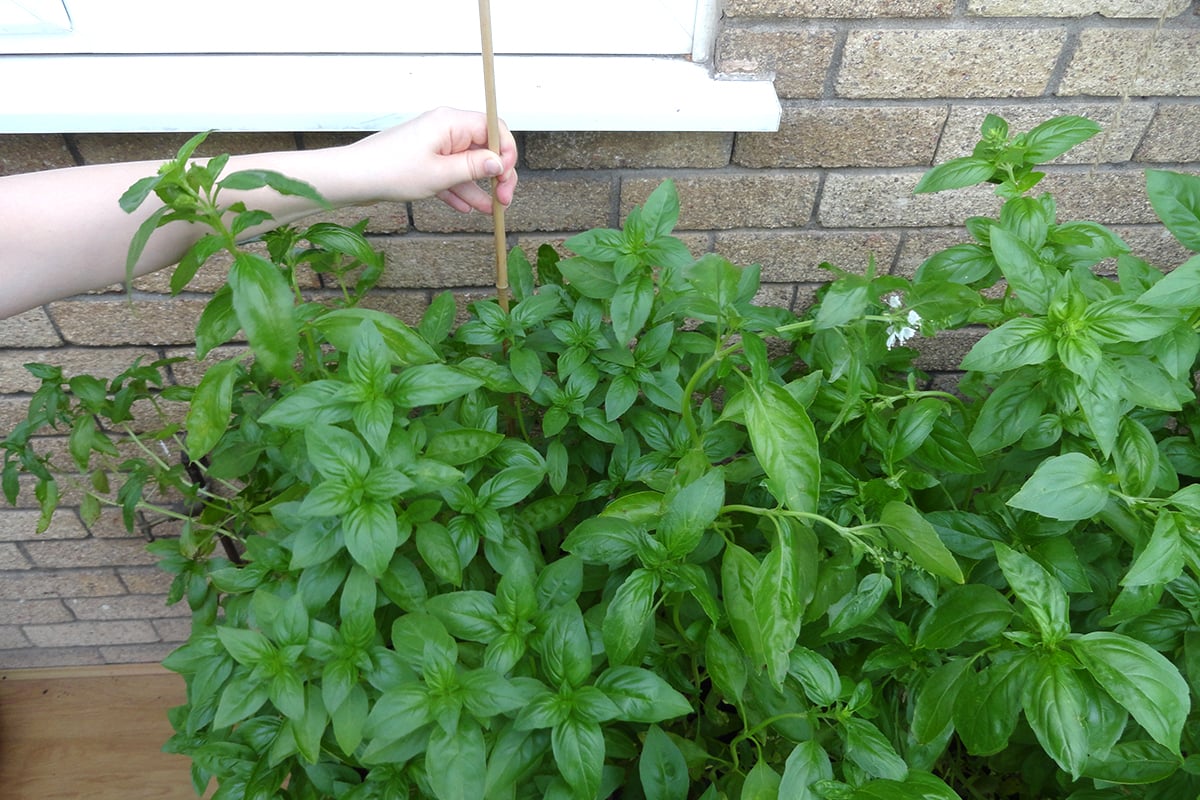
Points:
[[898, 334]]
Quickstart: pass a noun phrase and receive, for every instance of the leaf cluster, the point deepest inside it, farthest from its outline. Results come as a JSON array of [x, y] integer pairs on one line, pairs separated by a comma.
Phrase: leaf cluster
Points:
[[641, 536]]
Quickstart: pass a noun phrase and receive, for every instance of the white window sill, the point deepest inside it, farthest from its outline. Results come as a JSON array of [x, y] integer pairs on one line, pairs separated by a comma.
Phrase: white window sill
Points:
[[365, 92]]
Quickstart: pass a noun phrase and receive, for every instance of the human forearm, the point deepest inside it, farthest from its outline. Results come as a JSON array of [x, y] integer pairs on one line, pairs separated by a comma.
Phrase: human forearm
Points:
[[63, 232]]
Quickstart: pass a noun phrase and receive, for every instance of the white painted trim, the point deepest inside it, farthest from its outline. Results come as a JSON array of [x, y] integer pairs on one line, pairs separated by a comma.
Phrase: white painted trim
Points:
[[620, 27], [65, 94]]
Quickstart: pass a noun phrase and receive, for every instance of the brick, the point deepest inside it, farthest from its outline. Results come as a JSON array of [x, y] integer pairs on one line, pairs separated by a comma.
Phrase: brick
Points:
[[12, 410], [776, 295], [11, 638], [111, 525], [626, 150], [1155, 244], [1122, 127], [864, 136], [33, 152], [408, 307], [1108, 197], [797, 255], [439, 262], [920, 244], [21, 525], [125, 607], [39, 657], [107, 148], [59, 583], [734, 200], [29, 329], [1077, 8], [1172, 135], [104, 363], [946, 350], [543, 203], [948, 62], [137, 653], [176, 629], [1112, 62], [799, 59], [145, 580], [384, 218], [855, 9], [190, 371], [82, 634], [880, 200], [118, 322], [12, 558], [68, 554], [26, 612]]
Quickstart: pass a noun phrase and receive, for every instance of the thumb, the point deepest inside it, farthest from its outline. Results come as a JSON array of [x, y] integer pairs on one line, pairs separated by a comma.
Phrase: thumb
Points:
[[483, 164]]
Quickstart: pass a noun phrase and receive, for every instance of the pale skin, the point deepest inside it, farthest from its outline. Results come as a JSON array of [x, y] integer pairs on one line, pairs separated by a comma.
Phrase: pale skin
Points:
[[62, 231]]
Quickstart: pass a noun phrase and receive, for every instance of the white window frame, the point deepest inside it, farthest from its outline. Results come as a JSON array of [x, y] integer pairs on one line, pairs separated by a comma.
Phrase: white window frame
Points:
[[154, 65]]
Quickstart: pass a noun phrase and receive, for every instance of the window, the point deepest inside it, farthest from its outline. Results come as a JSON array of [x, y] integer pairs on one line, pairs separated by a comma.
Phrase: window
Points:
[[144, 65]]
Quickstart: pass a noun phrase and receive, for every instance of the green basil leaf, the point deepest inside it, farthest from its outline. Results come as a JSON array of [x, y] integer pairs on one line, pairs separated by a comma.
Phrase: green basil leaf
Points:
[[762, 783], [1056, 136], [218, 322], [690, 511], [565, 646], [806, 764], [972, 612], [408, 347], [1055, 701], [908, 530], [1139, 678], [208, 413], [456, 762], [264, 305], [579, 753], [785, 443], [956, 173], [630, 615], [1133, 763], [988, 707], [605, 539], [1176, 199], [641, 695], [933, 706], [1016, 343], [371, 535], [1067, 487], [432, 384], [1043, 596], [662, 768], [917, 786], [631, 304], [249, 179], [870, 750]]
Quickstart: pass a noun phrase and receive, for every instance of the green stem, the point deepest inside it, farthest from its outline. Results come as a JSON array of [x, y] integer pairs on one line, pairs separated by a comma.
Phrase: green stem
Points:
[[690, 389]]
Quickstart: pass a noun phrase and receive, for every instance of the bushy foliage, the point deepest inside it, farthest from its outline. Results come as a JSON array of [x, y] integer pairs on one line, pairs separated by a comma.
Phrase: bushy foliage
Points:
[[639, 536]]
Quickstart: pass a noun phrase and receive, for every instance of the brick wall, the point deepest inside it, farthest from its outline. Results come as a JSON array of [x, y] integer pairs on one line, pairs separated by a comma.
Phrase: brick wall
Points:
[[873, 92]]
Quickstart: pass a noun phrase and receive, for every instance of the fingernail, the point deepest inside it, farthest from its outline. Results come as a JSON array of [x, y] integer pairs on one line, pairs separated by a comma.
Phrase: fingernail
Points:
[[492, 167]]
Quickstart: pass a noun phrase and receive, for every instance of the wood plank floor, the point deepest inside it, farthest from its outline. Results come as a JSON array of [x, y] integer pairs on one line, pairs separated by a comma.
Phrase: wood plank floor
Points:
[[93, 733]]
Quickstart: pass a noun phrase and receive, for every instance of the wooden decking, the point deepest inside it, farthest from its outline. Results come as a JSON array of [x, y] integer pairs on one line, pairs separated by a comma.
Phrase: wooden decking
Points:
[[90, 732]]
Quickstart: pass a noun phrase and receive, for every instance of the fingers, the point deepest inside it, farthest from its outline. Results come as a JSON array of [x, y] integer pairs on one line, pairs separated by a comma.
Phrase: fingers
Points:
[[467, 157]]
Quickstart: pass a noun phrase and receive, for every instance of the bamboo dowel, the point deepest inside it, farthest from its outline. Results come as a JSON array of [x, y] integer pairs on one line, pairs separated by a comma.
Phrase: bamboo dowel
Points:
[[493, 123]]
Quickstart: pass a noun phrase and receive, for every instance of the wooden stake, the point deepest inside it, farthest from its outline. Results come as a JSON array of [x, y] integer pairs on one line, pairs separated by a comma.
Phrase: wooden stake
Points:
[[493, 122]]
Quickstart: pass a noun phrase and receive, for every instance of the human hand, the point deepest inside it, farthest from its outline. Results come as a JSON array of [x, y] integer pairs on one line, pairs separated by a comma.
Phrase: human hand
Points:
[[442, 153]]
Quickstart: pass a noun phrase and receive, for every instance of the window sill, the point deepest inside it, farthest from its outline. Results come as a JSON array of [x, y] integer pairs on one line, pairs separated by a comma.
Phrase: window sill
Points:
[[362, 92]]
